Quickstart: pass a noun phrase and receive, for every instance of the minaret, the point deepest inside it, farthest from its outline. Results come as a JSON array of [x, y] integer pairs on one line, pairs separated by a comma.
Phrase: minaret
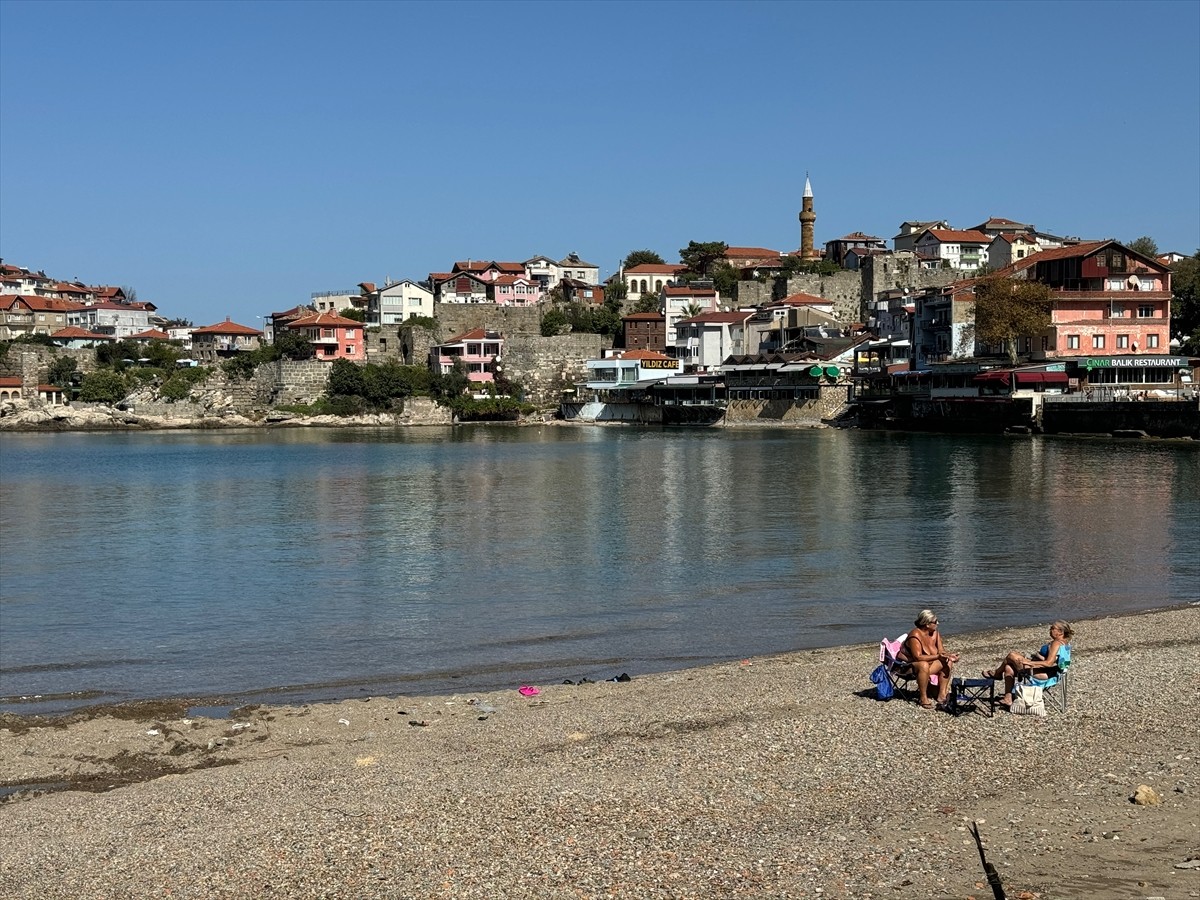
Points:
[[807, 219]]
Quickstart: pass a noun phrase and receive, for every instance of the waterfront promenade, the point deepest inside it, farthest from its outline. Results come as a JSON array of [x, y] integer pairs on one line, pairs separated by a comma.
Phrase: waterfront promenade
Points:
[[770, 777]]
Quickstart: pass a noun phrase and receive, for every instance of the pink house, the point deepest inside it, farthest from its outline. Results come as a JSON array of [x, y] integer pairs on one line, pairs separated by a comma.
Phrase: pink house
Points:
[[478, 349], [333, 336], [515, 290]]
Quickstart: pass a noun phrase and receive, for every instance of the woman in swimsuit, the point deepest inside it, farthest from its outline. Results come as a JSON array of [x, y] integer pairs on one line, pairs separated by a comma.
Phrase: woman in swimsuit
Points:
[[1038, 665], [924, 649]]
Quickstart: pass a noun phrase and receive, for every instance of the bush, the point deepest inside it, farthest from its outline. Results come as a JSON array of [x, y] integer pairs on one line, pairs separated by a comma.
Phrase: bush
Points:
[[103, 386], [346, 379], [242, 365], [490, 409], [177, 387]]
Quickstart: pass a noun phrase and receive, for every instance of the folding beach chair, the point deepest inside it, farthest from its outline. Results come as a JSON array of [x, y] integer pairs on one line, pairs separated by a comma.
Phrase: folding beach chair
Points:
[[1054, 686]]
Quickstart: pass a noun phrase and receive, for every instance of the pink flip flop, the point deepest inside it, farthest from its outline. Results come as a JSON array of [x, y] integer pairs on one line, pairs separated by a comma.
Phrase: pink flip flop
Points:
[[528, 690]]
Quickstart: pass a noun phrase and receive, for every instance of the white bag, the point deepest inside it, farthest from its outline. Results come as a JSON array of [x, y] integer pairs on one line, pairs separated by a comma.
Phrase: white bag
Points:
[[1027, 700]]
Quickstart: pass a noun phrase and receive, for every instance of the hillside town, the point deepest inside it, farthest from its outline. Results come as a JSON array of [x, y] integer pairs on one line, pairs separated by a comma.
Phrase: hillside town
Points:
[[988, 325]]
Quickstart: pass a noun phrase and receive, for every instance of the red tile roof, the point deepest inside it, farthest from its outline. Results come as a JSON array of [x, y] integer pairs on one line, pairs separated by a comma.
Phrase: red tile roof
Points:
[[656, 269], [41, 304], [639, 316], [479, 265], [686, 291], [226, 327], [475, 334], [511, 279], [644, 354], [367, 286], [150, 334], [328, 319], [859, 236], [958, 237], [74, 332], [749, 252]]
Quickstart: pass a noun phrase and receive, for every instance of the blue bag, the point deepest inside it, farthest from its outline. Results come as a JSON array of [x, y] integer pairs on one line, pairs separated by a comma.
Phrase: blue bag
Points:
[[883, 684]]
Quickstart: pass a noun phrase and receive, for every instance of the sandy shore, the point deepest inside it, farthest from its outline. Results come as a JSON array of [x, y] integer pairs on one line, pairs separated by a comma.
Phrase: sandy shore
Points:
[[772, 777]]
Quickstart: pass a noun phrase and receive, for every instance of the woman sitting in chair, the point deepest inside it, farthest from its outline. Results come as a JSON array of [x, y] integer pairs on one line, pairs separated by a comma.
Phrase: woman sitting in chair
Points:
[[924, 649], [1038, 667]]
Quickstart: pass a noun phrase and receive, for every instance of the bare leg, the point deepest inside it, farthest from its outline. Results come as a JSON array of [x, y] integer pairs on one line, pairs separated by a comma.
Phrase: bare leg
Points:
[[944, 675], [922, 670]]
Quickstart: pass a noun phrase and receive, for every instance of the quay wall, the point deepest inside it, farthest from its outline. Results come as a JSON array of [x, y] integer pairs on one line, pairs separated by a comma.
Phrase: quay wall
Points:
[[1159, 418]]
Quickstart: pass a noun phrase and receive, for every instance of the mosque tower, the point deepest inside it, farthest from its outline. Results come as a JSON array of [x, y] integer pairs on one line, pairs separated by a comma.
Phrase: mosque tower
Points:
[[807, 219]]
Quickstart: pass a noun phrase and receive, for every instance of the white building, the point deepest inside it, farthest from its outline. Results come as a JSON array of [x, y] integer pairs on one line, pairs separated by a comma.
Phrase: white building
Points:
[[707, 340], [118, 319], [946, 248], [648, 278], [395, 303]]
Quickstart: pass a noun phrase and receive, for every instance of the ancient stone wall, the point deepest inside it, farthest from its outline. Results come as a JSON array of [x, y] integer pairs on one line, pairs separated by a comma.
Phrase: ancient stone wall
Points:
[[546, 366], [851, 291], [900, 270], [844, 289], [33, 361], [291, 381]]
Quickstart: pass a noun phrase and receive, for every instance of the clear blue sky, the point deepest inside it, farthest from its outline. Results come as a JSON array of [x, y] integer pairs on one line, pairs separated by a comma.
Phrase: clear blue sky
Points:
[[233, 158]]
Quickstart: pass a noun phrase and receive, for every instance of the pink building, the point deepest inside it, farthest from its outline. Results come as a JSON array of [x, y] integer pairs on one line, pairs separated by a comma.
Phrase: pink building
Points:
[[515, 290], [479, 351], [333, 336]]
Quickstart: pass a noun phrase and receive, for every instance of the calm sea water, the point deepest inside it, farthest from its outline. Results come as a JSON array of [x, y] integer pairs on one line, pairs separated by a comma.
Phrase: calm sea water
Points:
[[300, 565]]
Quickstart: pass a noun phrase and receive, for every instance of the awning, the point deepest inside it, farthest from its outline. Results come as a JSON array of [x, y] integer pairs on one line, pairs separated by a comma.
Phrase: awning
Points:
[[1041, 378], [1001, 377]]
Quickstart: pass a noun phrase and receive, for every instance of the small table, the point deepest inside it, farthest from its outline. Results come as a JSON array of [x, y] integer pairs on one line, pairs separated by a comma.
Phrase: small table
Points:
[[966, 692]]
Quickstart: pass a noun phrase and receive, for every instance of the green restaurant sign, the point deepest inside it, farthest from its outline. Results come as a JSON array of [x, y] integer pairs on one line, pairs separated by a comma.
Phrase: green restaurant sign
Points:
[[1135, 362]]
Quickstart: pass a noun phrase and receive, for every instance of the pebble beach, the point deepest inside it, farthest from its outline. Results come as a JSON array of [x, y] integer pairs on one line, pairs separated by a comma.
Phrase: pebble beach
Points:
[[771, 777]]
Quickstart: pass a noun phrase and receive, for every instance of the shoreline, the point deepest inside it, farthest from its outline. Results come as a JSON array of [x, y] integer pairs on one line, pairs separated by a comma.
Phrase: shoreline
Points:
[[445, 684], [767, 777]]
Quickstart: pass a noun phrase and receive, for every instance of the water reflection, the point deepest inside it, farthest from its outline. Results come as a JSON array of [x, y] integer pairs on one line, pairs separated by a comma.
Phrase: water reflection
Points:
[[233, 562]]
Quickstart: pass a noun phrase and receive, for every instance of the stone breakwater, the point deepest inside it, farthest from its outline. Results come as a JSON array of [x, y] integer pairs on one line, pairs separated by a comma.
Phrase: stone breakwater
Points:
[[770, 777]]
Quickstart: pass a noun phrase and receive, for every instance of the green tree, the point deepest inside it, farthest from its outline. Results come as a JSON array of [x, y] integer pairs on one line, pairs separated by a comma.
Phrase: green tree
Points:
[[1008, 309], [103, 386], [1146, 246], [294, 345], [346, 379], [447, 386], [1185, 305], [358, 315], [162, 354], [725, 279], [647, 303], [701, 256], [114, 353], [554, 322], [639, 257], [61, 371]]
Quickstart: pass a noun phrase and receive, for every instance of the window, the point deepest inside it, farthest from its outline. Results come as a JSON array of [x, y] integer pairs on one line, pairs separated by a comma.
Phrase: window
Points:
[[349, 349], [1020, 254], [1152, 341], [1115, 284], [1097, 342], [1145, 311], [1045, 342], [1146, 284], [1028, 345], [1072, 342], [350, 333], [1122, 342]]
